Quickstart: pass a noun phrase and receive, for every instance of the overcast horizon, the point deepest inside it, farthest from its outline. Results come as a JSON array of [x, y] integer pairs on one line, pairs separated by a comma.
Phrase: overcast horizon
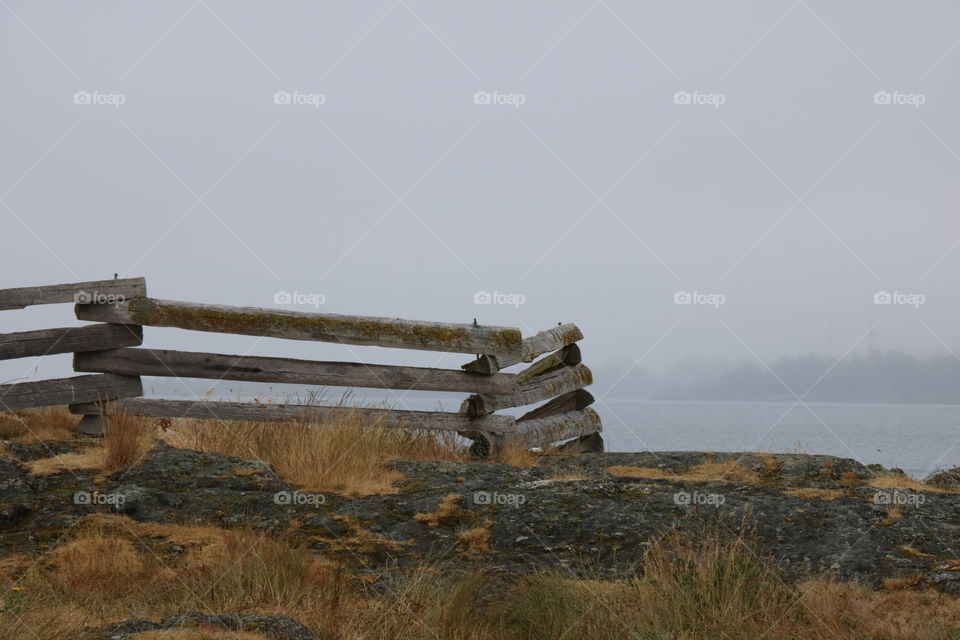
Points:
[[738, 181]]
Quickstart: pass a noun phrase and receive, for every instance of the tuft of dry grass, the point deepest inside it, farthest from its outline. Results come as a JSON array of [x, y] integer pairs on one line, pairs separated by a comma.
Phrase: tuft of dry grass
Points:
[[448, 512], [706, 472], [772, 463], [711, 585], [128, 438], [93, 458], [101, 564], [476, 539], [913, 551], [903, 582], [515, 455], [898, 481]]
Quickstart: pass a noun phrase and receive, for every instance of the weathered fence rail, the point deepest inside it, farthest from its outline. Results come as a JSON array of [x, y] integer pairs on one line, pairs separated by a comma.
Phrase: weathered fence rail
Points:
[[76, 292], [295, 325], [27, 395], [186, 364], [111, 352]]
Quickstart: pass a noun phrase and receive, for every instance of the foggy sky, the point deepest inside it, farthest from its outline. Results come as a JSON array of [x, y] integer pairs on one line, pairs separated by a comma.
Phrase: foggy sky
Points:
[[596, 199]]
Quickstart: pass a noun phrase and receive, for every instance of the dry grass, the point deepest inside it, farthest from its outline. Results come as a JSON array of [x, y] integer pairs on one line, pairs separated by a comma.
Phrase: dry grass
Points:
[[36, 425], [116, 565], [448, 512], [365, 541], [93, 458], [815, 493], [898, 481], [476, 540], [516, 455], [903, 582], [103, 564], [347, 455], [703, 584], [772, 464], [711, 586], [651, 473], [913, 551], [707, 472], [128, 438], [696, 585]]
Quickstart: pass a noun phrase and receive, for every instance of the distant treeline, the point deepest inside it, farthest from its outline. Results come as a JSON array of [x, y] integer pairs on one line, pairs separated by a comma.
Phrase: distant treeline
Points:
[[881, 376]]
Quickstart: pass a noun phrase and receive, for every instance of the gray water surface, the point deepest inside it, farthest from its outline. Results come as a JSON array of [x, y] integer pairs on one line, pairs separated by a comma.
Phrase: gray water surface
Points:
[[917, 438]]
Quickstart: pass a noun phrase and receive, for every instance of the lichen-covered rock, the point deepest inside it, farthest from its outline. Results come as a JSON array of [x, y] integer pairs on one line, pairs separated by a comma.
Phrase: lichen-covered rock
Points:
[[593, 513]]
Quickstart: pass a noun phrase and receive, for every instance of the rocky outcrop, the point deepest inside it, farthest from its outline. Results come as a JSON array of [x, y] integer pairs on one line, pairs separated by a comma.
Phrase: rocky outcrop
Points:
[[594, 514]]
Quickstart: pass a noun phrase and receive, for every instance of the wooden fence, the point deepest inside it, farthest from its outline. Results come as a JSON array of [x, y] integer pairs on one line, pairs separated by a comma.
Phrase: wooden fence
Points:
[[110, 350]]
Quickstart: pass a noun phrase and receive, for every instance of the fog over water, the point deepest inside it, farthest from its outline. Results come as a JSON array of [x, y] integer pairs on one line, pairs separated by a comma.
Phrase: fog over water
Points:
[[701, 187]]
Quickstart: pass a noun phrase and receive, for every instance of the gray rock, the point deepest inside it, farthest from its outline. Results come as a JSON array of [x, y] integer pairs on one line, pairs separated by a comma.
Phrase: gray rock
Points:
[[273, 627], [566, 510]]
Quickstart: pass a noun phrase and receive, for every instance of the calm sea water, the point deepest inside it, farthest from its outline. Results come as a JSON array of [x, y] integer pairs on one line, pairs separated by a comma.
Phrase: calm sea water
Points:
[[916, 438]]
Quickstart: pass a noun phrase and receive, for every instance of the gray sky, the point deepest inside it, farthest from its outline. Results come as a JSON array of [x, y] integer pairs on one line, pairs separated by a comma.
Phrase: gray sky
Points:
[[587, 185]]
